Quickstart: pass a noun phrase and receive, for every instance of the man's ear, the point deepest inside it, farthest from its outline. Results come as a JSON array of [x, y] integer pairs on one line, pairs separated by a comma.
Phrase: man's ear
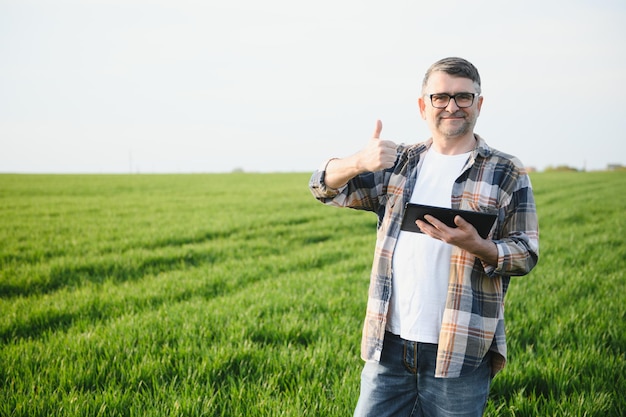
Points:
[[422, 106], [480, 103]]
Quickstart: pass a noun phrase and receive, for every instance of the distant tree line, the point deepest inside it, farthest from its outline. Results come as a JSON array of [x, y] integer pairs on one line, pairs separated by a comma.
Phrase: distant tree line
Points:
[[567, 168]]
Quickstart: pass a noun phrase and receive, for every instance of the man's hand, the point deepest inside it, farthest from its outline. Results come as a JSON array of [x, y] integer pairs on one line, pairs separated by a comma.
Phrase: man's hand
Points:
[[464, 236], [378, 154]]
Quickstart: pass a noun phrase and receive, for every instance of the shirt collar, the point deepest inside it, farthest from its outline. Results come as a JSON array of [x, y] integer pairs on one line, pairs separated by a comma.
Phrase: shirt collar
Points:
[[481, 149]]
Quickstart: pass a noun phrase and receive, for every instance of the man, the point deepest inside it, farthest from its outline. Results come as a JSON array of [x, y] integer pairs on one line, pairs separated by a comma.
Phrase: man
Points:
[[434, 329]]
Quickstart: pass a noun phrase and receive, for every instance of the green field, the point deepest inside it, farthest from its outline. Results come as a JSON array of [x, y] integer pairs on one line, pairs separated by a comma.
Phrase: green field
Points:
[[240, 295]]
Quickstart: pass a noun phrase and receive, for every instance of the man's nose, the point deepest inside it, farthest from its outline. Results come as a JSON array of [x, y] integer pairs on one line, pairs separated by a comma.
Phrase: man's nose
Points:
[[452, 106]]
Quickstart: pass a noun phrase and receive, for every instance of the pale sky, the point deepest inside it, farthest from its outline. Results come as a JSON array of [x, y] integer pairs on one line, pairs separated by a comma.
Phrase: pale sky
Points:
[[117, 86]]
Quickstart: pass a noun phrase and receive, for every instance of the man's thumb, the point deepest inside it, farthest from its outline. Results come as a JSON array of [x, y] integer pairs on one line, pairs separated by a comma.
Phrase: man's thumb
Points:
[[379, 128]]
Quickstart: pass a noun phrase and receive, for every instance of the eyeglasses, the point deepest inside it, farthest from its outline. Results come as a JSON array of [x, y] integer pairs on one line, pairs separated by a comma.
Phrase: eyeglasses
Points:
[[462, 100]]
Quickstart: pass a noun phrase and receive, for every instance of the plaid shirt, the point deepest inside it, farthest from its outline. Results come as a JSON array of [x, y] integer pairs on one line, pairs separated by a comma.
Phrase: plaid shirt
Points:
[[473, 320]]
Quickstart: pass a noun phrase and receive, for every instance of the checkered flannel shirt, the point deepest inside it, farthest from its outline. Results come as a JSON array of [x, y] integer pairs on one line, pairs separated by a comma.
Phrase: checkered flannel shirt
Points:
[[473, 320]]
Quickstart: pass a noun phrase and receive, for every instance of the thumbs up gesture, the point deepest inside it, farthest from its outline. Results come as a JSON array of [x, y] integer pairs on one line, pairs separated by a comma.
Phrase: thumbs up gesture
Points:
[[378, 154]]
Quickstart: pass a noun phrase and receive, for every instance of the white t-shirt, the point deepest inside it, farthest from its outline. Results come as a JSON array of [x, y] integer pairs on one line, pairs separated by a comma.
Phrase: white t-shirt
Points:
[[421, 264]]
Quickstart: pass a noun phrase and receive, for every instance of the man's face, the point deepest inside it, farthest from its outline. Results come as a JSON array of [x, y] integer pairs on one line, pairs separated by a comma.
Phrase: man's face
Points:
[[451, 121]]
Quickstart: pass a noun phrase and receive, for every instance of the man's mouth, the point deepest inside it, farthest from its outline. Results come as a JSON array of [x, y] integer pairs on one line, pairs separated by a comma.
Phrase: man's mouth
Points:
[[453, 117]]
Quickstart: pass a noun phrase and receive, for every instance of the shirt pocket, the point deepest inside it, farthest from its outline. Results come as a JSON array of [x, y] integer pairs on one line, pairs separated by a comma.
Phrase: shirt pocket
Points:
[[388, 213], [483, 208], [479, 207]]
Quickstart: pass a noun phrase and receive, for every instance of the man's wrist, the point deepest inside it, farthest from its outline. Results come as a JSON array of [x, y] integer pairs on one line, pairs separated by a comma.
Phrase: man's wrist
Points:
[[488, 252]]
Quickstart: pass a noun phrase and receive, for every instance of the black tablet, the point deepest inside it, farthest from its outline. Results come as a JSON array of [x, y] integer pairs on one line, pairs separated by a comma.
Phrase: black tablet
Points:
[[483, 222]]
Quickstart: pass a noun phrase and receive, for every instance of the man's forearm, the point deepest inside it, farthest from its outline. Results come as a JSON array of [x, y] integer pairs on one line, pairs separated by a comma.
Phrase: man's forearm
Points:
[[340, 171], [487, 251]]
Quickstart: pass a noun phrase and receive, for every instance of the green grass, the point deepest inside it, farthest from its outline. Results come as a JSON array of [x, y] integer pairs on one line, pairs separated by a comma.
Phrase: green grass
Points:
[[240, 295]]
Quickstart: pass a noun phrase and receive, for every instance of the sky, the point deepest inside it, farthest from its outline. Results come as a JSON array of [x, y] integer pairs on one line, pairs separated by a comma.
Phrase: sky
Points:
[[187, 86]]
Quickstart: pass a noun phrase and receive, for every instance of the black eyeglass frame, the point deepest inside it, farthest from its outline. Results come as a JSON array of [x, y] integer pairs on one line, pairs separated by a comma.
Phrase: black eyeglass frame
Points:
[[453, 97]]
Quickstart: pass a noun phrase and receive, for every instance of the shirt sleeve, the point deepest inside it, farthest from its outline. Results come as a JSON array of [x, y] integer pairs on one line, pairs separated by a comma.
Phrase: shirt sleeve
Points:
[[318, 186], [518, 245], [366, 191]]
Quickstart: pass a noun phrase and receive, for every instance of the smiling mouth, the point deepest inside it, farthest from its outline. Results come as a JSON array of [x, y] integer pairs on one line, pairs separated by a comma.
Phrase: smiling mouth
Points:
[[457, 115]]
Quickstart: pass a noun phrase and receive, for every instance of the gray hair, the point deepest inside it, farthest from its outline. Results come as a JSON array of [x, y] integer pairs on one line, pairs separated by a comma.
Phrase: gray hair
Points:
[[456, 67]]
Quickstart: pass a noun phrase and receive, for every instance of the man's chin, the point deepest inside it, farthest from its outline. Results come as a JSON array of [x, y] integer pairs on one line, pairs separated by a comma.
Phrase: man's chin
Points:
[[452, 130], [453, 133]]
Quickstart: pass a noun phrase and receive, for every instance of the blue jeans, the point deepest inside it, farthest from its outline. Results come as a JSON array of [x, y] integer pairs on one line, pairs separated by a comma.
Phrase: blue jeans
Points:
[[403, 383]]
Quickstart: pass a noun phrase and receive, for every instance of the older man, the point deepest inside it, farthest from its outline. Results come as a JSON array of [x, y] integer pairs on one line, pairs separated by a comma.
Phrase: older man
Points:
[[434, 329]]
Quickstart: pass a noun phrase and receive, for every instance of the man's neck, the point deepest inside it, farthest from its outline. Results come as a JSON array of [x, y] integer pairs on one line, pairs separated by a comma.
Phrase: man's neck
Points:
[[454, 145]]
